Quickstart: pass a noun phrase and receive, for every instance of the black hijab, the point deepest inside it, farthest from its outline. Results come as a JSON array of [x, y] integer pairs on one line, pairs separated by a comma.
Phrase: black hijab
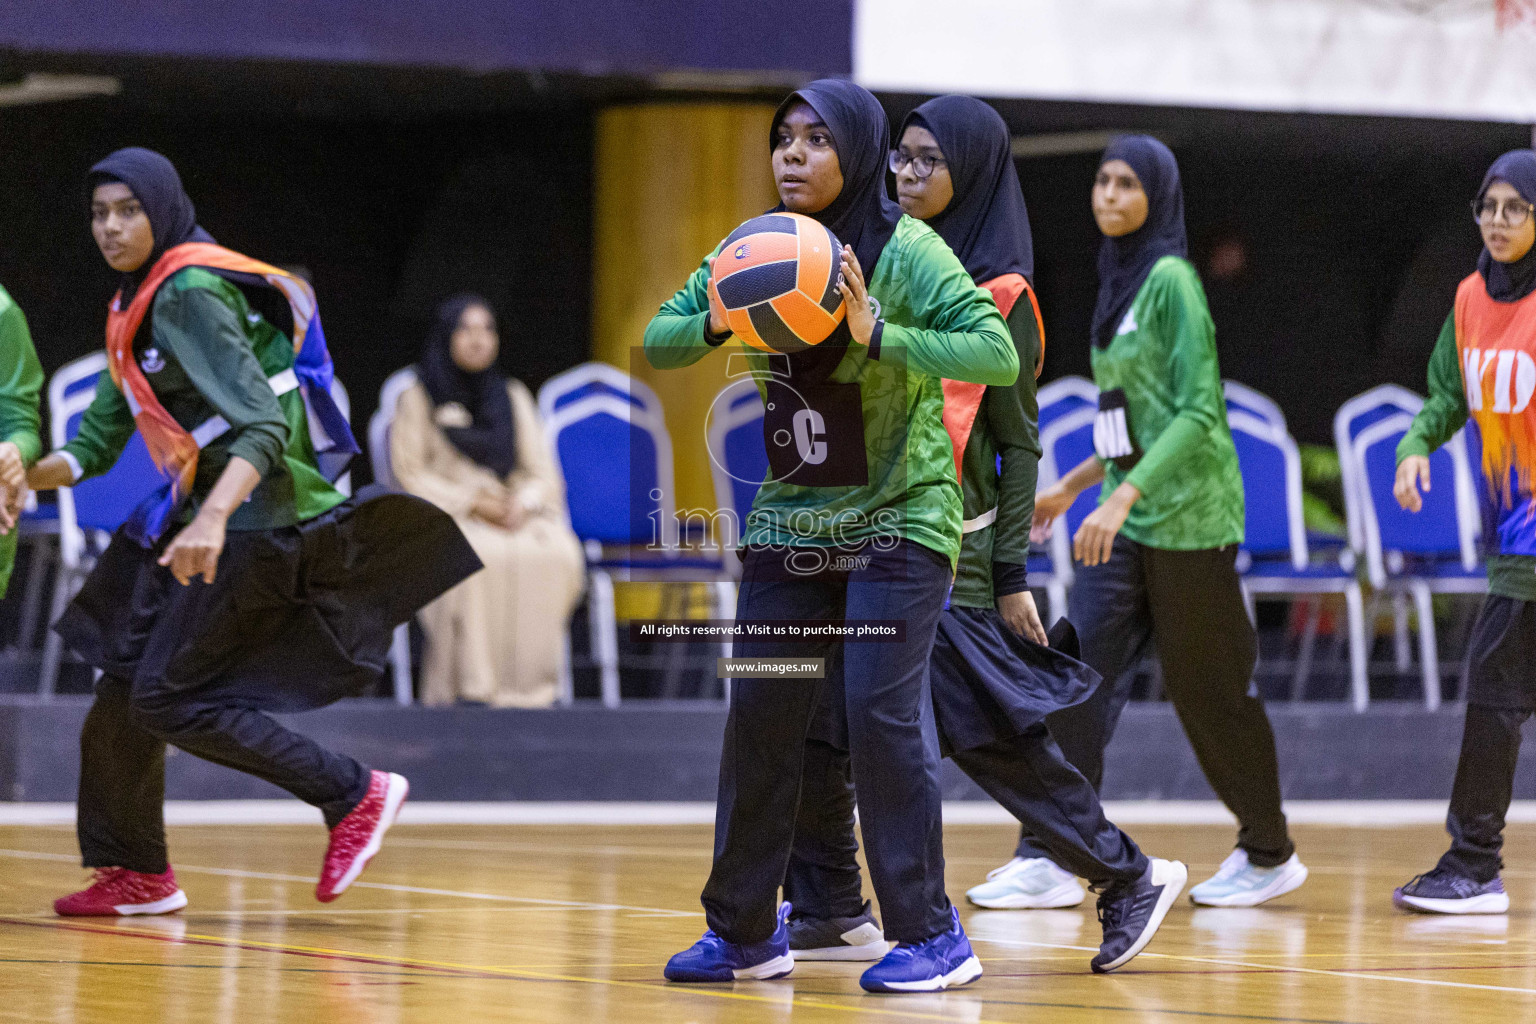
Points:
[[1510, 282], [985, 223], [156, 185], [863, 215], [491, 437], [1125, 262]]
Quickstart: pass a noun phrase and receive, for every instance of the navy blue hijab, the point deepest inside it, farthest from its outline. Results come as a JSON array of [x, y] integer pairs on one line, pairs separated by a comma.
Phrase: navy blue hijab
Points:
[[156, 185], [491, 437], [863, 215], [986, 223], [1510, 282], [1125, 262]]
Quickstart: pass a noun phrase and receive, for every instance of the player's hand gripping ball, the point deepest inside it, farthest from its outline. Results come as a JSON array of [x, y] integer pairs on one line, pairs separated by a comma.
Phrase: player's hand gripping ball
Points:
[[777, 277]]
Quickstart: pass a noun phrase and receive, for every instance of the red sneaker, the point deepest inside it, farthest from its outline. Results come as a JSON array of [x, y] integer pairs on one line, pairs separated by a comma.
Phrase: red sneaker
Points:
[[118, 892], [356, 838]]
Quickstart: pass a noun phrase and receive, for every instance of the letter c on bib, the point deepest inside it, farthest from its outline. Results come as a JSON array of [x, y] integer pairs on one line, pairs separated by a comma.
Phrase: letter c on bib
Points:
[[810, 436]]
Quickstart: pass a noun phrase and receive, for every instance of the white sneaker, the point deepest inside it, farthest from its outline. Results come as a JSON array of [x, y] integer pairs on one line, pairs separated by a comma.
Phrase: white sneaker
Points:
[[1238, 883], [1032, 884]]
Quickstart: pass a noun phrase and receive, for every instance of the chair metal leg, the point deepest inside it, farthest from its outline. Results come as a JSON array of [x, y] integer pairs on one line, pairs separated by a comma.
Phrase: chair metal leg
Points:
[[1306, 647], [1056, 594], [1359, 649], [605, 639], [567, 692], [1402, 646], [53, 647], [1429, 650], [725, 605], [44, 556], [400, 663]]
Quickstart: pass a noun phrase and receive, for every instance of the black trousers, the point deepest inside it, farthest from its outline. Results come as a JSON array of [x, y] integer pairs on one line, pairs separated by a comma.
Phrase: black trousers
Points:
[[1189, 605], [892, 742], [120, 818], [1027, 774], [1501, 695], [296, 618]]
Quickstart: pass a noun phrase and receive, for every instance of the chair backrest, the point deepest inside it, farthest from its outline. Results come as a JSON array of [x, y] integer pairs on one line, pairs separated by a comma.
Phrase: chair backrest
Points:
[[343, 402], [738, 460], [616, 456], [106, 501], [590, 379], [1270, 462], [1065, 443], [1354, 416], [1242, 398], [1444, 528], [383, 418], [1065, 395]]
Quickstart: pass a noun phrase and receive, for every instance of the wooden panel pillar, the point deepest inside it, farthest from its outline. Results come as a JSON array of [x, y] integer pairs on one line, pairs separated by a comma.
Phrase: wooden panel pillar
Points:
[[671, 180]]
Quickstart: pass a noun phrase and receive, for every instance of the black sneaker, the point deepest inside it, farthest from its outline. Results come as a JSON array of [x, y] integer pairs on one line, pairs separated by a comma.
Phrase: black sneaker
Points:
[[838, 938], [1131, 913], [1445, 892]]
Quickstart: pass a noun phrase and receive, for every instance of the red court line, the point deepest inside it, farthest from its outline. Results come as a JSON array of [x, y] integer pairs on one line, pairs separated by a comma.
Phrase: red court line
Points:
[[251, 947], [1276, 970]]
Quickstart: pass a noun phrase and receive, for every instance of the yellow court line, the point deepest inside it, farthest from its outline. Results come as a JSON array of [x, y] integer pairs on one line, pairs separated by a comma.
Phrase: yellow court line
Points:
[[655, 988], [1278, 967], [268, 876]]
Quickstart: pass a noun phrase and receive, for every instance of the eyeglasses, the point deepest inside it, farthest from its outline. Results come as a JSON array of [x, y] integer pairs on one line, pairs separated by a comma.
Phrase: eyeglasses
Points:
[[922, 166], [1513, 212]]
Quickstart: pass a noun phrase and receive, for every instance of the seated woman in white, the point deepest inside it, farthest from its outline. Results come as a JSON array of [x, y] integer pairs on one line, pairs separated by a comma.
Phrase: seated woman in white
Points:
[[469, 439]]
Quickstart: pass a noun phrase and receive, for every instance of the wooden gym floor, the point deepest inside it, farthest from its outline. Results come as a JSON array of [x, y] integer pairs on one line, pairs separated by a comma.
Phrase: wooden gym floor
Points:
[[464, 924]]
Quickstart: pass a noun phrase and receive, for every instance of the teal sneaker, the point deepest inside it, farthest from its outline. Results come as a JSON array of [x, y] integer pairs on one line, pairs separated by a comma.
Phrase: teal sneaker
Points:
[[1032, 884], [1238, 883]]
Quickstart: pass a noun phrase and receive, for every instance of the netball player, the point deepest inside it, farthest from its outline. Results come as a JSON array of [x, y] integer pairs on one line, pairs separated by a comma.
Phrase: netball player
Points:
[[884, 490], [1158, 554], [1482, 375], [248, 584]]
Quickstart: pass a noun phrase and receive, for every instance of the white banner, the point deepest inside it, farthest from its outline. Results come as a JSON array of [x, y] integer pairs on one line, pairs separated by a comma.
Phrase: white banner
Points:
[[1429, 58]]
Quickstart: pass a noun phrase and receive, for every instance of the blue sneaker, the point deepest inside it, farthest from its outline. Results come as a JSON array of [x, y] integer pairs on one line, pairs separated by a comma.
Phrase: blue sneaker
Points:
[[941, 962], [1130, 913], [714, 959], [1442, 891]]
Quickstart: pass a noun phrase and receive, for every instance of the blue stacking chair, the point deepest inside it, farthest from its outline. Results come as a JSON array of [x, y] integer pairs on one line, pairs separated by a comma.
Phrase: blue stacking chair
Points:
[[1354, 416], [1275, 560], [1419, 554], [610, 439], [92, 509], [1064, 443], [738, 461], [1242, 398], [1064, 395]]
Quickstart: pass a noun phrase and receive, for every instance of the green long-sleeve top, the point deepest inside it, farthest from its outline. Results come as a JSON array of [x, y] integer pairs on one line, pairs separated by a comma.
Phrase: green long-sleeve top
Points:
[[1444, 413], [937, 324], [1164, 357], [1007, 424], [21, 381], [208, 353]]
